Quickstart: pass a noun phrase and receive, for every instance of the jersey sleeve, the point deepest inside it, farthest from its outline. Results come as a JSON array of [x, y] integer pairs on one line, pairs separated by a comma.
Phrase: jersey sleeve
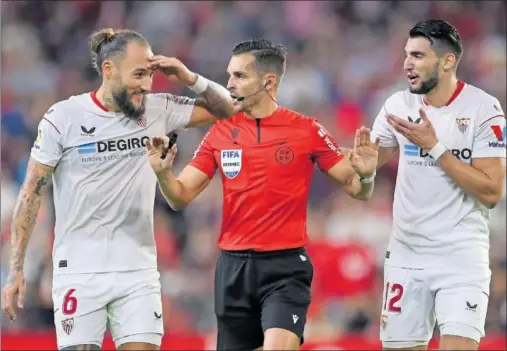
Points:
[[48, 147], [177, 110], [325, 151], [383, 130], [489, 138], [204, 158]]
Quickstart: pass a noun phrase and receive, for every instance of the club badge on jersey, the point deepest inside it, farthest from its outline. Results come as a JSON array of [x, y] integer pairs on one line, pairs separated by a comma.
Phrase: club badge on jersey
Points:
[[463, 124], [231, 162]]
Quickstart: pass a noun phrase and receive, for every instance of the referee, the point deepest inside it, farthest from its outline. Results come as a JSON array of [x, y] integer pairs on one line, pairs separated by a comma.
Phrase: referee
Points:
[[265, 154]]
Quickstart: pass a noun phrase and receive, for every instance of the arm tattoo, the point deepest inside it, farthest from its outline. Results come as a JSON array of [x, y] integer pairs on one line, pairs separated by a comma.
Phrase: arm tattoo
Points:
[[40, 183], [216, 99], [25, 213]]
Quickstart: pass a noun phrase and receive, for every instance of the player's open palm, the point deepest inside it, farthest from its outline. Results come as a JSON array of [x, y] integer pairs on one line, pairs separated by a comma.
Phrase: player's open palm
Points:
[[364, 156], [156, 149], [15, 285]]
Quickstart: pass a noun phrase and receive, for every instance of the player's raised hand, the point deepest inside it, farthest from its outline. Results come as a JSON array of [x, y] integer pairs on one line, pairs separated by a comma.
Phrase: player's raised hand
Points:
[[15, 285], [156, 147], [422, 135], [364, 156], [172, 67]]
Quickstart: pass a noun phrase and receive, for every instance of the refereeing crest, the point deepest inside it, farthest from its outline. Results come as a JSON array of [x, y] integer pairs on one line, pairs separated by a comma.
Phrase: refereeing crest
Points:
[[462, 124], [231, 162]]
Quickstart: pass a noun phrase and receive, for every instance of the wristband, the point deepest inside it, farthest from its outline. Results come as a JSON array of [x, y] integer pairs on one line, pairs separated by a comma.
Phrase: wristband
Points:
[[200, 85], [437, 151], [367, 180]]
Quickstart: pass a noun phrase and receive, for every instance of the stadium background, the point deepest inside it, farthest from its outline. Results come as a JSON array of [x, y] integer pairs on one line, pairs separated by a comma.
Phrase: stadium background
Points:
[[344, 59]]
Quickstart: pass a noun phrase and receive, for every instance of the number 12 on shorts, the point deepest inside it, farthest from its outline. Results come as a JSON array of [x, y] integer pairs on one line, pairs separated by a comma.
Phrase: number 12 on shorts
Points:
[[393, 295]]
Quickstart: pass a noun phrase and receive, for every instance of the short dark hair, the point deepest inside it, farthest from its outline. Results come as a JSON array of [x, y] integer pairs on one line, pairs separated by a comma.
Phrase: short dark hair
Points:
[[107, 42], [269, 57], [443, 36]]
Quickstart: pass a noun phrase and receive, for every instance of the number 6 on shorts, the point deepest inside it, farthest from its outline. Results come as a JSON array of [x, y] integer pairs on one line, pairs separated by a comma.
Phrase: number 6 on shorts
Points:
[[69, 305]]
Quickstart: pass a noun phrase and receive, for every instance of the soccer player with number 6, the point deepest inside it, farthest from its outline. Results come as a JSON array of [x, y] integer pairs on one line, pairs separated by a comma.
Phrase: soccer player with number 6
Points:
[[92, 146], [451, 138]]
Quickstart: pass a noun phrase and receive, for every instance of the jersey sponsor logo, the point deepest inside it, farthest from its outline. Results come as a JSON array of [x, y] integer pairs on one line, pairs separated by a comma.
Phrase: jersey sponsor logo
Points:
[[38, 139], [322, 133], [471, 307], [284, 155], [463, 124], [500, 136], [414, 151], [89, 148], [231, 162], [113, 145], [39, 136], [87, 132], [417, 121]]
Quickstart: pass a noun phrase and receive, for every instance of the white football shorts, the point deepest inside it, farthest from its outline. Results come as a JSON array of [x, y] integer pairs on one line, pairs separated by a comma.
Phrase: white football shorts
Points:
[[128, 302], [415, 299]]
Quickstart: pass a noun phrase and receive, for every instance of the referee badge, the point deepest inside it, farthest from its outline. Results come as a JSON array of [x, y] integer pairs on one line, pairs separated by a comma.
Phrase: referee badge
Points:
[[231, 162]]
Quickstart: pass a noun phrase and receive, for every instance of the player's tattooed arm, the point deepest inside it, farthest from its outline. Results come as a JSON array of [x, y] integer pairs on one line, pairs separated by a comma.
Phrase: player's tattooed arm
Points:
[[216, 100], [37, 179]]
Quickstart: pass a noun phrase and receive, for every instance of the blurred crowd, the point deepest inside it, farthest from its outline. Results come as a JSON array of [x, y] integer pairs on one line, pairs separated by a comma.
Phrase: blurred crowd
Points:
[[345, 59]]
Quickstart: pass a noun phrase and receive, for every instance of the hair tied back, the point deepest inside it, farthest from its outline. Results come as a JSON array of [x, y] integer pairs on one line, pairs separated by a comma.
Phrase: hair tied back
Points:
[[110, 33]]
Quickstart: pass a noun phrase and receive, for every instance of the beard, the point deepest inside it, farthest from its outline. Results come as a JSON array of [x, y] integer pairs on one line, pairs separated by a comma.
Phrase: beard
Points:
[[125, 104], [426, 85]]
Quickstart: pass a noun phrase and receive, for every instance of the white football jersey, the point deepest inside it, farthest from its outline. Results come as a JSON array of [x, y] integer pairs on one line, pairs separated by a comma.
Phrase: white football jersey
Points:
[[103, 185], [435, 222]]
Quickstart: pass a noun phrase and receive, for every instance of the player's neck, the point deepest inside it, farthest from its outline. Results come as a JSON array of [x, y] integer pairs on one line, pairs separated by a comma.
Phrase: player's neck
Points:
[[263, 109], [105, 97], [442, 93]]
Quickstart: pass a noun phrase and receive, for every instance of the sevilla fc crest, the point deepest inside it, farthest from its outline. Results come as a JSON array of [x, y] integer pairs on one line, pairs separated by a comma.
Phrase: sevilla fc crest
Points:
[[231, 162], [67, 325], [383, 322], [462, 124]]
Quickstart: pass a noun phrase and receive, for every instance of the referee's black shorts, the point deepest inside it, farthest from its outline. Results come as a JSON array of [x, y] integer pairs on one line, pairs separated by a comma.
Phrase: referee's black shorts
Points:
[[256, 291]]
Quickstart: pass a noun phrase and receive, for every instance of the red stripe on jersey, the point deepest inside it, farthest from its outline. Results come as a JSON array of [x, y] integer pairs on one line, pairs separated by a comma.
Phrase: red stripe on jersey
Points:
[[458, 90], [489, 119], [52, 124]]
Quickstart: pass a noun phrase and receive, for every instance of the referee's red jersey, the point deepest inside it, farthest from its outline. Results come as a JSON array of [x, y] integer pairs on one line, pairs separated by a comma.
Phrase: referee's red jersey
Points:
[[266, 168]]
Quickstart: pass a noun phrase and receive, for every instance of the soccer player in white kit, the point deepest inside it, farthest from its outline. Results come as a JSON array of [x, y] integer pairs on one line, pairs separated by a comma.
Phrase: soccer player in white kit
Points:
[[451, 139], [93, 147]]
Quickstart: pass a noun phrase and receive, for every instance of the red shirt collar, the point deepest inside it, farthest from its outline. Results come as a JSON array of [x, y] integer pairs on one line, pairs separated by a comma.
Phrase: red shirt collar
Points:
[[458, 90], [93, 95]]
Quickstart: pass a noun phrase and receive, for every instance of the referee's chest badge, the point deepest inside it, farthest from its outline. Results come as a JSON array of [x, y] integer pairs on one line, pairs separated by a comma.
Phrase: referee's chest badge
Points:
[[231, 162]]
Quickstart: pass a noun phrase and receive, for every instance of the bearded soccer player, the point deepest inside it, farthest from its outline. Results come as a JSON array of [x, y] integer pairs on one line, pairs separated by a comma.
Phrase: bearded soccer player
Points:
[[265, 155], [451, 138], [92, 146]]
